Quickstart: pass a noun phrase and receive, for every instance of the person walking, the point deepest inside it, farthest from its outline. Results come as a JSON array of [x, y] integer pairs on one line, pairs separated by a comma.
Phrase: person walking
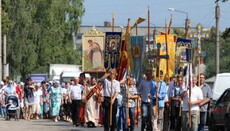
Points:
[[207, 97], [110, 97], [56, 98], [75, 94]]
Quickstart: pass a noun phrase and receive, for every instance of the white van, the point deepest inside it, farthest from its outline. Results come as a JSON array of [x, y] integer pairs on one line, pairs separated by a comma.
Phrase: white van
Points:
[[222, 82]]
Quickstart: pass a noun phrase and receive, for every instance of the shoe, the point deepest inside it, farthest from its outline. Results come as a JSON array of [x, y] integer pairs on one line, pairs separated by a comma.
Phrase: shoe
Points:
[[55, 120]]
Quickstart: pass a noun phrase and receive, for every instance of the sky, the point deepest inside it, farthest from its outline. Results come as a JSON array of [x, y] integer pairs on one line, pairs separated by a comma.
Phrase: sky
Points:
[[199, 11]]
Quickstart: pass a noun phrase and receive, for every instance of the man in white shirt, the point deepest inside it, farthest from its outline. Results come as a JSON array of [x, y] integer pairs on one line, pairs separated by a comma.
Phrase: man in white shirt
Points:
[[75, 95], [107, 78], [196, 99]]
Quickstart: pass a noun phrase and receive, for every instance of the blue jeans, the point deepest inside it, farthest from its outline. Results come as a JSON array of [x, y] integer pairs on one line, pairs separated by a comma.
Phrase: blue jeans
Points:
[[121, 118], [132, 118], [146, 116], [202, 121], [1, 111], [4, 111]]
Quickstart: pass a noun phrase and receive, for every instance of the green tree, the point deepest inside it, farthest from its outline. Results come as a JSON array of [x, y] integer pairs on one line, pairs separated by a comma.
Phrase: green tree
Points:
[[41, 34], [210, 49]]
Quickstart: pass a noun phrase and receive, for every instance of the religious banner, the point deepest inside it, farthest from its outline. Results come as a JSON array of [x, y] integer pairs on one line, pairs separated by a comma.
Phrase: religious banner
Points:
[[171, 52], [138, 49], [112, 50], [182, 56], [93, 43], [123, 62]]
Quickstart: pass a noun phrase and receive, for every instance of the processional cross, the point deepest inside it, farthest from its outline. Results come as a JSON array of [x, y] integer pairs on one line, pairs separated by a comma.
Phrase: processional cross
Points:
[[157, 58]]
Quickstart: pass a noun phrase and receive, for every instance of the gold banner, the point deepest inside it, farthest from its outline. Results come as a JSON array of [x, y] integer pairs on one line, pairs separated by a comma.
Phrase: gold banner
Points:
[[171, 52]]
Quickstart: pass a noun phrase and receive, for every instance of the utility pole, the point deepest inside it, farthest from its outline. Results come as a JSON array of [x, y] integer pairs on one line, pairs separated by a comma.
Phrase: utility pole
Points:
[[4, 57], [217, 39], [0, 39]]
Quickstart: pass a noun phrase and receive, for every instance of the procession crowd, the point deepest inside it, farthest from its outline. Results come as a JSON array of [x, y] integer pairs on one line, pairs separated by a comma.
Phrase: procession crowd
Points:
[[115, 105]]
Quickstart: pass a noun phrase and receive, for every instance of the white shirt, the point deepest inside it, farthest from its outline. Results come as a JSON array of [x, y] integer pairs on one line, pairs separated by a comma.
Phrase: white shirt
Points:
[[37, 95], [196, 94], [64, 90], [76, 91], [1, 92], [107, 87]]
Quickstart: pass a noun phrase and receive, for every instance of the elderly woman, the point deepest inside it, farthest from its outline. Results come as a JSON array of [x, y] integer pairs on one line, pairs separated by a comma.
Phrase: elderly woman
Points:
[[56, 96]]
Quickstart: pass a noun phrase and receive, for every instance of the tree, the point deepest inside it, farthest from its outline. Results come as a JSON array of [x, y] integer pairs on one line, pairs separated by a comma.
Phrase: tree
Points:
[[41, 34], [209, 48]]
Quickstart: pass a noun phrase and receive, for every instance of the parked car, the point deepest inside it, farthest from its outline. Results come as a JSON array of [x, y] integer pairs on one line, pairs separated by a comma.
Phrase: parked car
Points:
[[220, 113], [220, 85]]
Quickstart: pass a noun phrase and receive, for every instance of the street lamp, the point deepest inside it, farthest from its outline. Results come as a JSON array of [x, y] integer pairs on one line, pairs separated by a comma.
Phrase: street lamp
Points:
[[186, 21]]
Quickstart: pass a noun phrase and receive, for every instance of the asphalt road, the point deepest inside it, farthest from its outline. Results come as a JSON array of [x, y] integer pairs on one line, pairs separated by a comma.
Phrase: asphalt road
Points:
[[43, 125]]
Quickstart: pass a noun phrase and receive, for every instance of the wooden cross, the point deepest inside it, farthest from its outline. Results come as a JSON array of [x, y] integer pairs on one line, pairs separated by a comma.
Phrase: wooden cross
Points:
[[157, 58]]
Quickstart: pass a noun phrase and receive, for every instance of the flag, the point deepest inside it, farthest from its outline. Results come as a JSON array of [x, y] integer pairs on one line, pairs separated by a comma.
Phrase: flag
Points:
[[188, 76], [123, 62], [112, 50], [183, 53], [128, 48], [138, 49], [140, 20], [171, 52]]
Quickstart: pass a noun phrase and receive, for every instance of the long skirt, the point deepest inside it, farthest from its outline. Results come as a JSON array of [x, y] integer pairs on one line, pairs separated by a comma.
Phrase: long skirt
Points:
[[55, 108]]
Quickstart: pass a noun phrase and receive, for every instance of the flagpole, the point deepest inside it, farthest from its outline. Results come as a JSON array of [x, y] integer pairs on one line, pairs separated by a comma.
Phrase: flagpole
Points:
[[148, 29], [113, 19], [111, 105], [170, 24], [187, 28], [136, 30], [166, 41]]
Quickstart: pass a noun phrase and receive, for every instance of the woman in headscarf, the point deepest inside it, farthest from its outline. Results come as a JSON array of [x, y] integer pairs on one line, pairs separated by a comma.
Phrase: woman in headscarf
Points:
[[56, 97]]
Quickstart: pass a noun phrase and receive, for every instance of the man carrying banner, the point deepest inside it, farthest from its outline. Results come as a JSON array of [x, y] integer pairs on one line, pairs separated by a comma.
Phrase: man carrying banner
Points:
[[176, 103], [132, 95], [196, 99], [158, 90], [144, 91], [110, 91]]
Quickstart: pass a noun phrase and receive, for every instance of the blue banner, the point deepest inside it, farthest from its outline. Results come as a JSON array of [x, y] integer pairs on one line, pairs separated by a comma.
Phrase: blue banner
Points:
[[112, 50], [138, 48]]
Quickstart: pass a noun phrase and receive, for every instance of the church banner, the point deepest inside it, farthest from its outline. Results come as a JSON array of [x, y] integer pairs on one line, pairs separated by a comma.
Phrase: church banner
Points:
[[171, 52], [93, 43], [138, 49], [112, 50], [181, 54]]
